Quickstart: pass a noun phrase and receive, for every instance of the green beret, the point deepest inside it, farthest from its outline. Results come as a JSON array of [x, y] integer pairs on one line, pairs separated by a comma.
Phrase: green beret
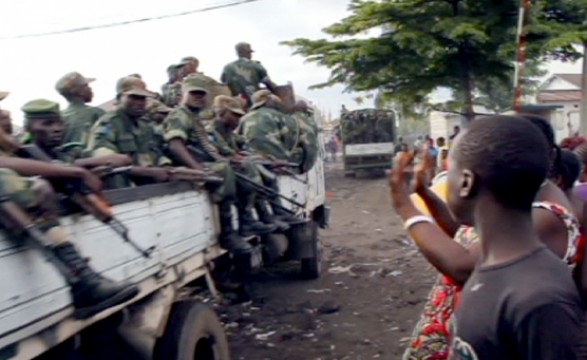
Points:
[[40, 108]]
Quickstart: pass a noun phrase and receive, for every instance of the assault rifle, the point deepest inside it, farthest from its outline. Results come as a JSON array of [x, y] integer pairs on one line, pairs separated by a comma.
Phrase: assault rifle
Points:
[[87, 200], [12, 217]]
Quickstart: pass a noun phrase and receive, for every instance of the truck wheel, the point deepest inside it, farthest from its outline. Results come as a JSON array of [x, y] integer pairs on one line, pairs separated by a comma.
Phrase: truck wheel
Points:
[[311, 268], [193, 332]]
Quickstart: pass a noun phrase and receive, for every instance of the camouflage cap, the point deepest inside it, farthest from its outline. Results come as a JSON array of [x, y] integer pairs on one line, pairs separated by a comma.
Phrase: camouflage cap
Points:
[[242, 47], [195, 82], [261, 97], [131, 85], [171, 69], [40, 108], [189, 59], [3, 95], [70, 81], [156, 106], [230, 103]]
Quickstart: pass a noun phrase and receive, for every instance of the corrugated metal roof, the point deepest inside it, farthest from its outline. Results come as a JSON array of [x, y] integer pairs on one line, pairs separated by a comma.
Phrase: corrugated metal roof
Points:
[[559, 96]]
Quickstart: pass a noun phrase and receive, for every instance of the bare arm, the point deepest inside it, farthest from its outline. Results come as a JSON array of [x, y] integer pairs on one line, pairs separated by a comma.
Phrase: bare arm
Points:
[[445, 254], [178, 148], [107, 160], [439, 211], [551, 230]]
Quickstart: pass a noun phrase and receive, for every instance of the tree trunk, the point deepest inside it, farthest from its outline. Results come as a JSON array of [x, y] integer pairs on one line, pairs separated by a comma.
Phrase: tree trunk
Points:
[[469, 112]]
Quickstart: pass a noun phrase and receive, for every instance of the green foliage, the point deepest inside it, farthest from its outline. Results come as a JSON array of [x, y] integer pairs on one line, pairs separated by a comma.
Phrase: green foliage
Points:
[[463, 45]]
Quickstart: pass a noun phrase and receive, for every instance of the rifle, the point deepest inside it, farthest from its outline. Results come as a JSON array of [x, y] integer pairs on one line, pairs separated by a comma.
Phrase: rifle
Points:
[[87, 200], [283, 165], [186, 174], [105, 171], [14, 218], [266, 191]]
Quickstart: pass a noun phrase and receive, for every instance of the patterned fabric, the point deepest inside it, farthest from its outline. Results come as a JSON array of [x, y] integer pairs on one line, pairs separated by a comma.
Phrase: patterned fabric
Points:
[[243, 77], [430, 338], [572, 224], [308, 138], [79, 119], [270, 132]]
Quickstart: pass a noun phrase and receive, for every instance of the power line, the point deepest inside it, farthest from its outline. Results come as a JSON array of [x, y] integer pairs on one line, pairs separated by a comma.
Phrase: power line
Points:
[[129, 22]]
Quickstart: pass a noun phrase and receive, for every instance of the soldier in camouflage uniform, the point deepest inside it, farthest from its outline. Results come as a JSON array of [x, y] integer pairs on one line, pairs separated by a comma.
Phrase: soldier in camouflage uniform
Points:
[[269, 131], [78, 116], [228, 112], [91, 292], [190, 145], [126, 130], [47, 130], [244, 75], [168, 90], [308, 135]]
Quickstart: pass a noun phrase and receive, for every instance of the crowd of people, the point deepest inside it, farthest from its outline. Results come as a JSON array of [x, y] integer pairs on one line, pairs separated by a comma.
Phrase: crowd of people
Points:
[[251, 136], [507, 239]]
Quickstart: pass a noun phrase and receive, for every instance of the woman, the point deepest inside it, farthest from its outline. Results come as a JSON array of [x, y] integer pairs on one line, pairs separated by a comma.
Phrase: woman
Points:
[[456, 259]]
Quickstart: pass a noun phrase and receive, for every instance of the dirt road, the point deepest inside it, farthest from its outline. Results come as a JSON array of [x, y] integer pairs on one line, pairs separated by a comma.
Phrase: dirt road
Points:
[[365, 304]]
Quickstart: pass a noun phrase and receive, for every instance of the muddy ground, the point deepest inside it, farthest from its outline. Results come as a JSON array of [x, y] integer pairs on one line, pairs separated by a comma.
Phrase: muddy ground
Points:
[[365, 304]]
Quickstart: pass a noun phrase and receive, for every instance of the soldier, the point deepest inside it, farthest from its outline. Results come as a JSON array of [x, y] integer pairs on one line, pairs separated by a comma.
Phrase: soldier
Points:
[[6, 121], [270, 132], [168, 90], [244, 75], [125, 130], [190, 145], [47, 130], [308, 134], [91, 292], [192, 65], [228, 112], [78, 116]]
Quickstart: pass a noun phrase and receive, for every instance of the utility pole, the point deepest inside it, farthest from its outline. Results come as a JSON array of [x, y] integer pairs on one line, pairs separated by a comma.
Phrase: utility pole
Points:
[[521, 53], [583, 123]]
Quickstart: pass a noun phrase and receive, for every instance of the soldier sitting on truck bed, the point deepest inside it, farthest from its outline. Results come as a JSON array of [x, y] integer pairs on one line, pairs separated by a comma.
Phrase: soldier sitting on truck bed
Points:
[[91, 292], [308, 135], [228, 112], [190, 146], [269, 131], [47, 130], [78, 116], [125, 130]]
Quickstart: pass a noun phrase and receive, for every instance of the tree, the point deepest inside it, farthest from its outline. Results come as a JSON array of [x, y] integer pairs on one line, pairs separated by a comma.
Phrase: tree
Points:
[[425, 44]]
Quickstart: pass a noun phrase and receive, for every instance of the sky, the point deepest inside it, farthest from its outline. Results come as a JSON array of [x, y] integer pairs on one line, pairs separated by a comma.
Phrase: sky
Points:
[[29, 67]]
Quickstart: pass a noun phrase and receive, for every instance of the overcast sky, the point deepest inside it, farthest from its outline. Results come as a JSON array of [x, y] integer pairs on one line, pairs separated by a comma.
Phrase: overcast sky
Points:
[[29, 67]]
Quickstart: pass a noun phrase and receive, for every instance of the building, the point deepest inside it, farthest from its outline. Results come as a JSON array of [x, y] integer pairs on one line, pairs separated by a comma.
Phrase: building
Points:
[[563, 93]]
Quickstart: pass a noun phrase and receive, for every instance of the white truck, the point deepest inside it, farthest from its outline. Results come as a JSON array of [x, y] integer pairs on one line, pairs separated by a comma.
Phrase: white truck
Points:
[[165, 321]]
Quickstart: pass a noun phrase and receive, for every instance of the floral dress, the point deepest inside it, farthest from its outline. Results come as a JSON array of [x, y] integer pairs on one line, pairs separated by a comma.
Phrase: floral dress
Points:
[[430, 339]]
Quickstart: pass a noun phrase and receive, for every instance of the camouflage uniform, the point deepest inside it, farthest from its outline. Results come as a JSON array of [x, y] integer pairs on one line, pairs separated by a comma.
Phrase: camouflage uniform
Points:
[[243, 76], [118, 133], [227, 142], [78, 117], [308, 138], [18, 189], [270, 132]]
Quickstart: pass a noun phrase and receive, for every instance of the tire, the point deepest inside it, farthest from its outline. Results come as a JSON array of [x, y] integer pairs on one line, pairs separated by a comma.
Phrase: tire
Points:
[[311, 268], [193, 332]]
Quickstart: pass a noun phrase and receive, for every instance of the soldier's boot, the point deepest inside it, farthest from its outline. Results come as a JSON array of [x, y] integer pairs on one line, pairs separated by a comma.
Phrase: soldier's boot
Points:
[[229, 239], [249, 226], [91, 292], [268, 218], [283, 215]]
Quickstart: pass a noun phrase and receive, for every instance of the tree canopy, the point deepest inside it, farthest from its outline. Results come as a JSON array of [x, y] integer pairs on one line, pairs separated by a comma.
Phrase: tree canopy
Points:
[[421, 45]]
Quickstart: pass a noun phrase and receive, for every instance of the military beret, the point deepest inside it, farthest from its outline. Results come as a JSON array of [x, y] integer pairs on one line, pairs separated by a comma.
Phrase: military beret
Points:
[[40, 108], [195, 82], [70, 81], [230, 103], [132, 85]]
